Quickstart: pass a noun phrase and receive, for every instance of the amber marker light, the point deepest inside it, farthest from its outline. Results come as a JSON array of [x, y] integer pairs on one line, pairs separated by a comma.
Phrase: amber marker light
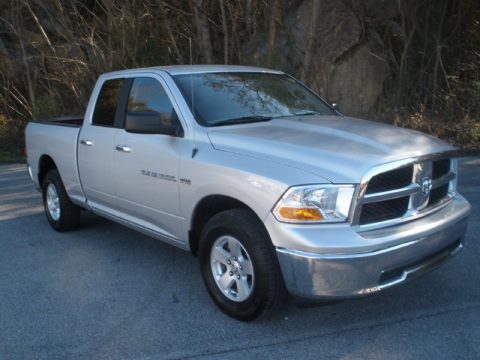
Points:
[[300, 214]]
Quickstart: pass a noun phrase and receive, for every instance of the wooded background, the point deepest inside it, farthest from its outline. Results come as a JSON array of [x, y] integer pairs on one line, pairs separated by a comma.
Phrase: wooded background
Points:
[[415, 63]]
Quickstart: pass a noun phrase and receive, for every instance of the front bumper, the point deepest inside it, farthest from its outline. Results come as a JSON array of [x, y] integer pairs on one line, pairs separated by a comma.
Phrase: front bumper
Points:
[[29, 169], [387, 257]]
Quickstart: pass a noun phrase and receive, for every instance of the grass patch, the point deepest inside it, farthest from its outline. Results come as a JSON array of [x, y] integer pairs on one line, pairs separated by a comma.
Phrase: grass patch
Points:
[[9, 156]]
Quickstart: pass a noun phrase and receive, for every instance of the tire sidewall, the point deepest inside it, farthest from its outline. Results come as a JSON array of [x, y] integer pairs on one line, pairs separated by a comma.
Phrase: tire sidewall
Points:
[[52, 178]]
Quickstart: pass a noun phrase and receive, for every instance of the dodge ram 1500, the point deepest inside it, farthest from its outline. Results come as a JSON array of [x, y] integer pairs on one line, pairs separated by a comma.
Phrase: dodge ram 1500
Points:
[[273, 189]]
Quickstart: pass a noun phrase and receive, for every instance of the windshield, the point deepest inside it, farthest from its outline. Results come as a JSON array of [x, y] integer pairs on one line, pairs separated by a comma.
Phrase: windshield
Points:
[[240, 97]]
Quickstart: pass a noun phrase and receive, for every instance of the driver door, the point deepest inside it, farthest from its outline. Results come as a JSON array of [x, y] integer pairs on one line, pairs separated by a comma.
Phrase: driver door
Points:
[[147, 165]]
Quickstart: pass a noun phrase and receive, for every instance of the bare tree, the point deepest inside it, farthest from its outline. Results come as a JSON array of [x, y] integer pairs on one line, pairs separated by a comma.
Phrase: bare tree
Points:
[[201, 21], [312, 38], [225, 32], [275, 19], [51, 52]]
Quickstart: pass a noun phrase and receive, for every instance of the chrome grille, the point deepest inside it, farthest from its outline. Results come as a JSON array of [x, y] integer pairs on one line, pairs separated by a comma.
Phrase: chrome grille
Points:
[[384, 210], [398, 191], [390, 180], [438, 194], [440, 167]]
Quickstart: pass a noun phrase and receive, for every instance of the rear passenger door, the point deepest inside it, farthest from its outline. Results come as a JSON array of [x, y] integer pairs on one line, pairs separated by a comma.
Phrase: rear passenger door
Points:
[[147, 165], [96, 146]]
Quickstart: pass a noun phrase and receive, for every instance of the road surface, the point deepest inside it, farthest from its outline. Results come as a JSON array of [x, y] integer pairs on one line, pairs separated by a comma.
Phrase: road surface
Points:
[[108, 292]]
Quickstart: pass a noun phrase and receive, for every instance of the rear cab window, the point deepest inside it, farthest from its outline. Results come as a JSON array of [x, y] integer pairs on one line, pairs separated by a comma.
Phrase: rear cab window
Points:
[[107, 103]]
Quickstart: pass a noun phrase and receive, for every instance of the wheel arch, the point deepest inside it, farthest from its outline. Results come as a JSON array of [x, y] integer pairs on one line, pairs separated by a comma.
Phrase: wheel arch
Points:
[[208, 207], [45, 164]]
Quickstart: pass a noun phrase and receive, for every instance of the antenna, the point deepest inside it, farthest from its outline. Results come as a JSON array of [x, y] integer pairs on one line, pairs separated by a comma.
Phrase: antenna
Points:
[[191, 77], [192, 97]]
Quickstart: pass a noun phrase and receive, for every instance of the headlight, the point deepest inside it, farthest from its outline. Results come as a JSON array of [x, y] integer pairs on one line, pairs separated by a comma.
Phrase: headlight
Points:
[[315, 203]]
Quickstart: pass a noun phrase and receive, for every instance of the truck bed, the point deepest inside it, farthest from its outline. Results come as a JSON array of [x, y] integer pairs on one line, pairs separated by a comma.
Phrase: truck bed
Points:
[[59, 143]]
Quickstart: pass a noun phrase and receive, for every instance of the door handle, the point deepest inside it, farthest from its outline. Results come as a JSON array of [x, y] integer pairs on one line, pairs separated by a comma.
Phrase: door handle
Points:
[[86, 142], [123, 148]]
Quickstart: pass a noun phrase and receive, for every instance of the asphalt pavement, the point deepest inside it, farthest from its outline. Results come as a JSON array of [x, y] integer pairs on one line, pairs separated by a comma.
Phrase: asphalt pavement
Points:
[[108, 292]]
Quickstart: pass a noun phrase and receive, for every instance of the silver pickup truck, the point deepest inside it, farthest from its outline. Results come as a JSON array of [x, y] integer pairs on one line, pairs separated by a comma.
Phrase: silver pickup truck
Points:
[[272, 188]]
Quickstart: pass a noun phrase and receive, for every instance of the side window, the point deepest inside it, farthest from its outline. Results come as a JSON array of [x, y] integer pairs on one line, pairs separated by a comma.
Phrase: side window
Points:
[[106, 106], [148, 96]]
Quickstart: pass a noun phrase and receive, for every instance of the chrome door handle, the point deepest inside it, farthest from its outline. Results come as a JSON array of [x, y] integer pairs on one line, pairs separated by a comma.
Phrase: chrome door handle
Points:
[[123, 148], [86, 142]]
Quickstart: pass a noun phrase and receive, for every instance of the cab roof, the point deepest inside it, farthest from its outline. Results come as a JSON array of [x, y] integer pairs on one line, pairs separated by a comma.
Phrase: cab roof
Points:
[[197, 69]]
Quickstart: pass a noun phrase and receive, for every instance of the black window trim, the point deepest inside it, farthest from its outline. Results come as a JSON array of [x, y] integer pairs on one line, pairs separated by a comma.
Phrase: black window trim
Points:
[[122, 104], [119, 105]]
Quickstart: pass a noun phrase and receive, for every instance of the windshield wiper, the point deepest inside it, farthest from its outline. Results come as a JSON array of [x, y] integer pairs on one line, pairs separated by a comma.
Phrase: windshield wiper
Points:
[[242, 120], [308, 113]]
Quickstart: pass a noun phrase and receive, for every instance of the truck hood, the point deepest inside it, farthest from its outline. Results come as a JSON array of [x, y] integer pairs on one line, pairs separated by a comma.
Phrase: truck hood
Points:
[[338, 149]]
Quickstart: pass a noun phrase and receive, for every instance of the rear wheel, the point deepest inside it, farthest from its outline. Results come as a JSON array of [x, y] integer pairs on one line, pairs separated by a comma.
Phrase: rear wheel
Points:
[[61, 213], [239, 266]]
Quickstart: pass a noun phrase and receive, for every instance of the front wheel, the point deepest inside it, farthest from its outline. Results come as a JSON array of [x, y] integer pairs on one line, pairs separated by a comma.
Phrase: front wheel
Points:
[[61, 213], [239, 266]]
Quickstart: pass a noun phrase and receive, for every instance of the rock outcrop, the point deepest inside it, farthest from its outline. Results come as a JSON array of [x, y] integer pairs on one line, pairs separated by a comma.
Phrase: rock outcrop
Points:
[[342, 68]]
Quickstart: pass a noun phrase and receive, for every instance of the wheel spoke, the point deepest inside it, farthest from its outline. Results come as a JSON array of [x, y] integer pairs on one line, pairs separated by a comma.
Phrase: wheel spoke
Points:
[[220, 255], [242, 288], [234, 247], [247, 267], [225, 281]]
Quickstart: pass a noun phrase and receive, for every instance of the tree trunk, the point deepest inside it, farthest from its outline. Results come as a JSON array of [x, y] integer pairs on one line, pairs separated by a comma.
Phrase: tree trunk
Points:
[[248, 16], [275, 19], [201, 22], [225, 32], [438, 53], [310, 51]]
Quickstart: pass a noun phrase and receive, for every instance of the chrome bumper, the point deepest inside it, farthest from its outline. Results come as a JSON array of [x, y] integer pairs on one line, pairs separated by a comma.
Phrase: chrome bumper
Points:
[[29, 169], [419, 246]]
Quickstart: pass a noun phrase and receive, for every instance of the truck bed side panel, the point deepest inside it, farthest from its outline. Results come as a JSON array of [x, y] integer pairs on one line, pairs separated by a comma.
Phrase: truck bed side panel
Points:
[[71, 121], [60, 144]]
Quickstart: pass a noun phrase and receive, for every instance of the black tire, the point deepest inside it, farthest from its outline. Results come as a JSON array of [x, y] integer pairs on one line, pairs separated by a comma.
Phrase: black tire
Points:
[[268, 290], [69, 217]]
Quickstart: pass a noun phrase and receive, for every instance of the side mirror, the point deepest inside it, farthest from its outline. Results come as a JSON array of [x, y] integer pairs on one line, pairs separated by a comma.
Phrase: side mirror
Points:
[[150, 123]]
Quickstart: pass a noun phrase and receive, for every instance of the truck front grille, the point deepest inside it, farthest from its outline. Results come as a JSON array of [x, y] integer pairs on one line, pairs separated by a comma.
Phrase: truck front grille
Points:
[[384, 210], [405, 191], [390, 180], [438, 194]]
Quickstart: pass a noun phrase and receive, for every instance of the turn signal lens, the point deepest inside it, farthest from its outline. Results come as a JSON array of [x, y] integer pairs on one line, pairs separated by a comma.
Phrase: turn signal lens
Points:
[[300, 214]]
